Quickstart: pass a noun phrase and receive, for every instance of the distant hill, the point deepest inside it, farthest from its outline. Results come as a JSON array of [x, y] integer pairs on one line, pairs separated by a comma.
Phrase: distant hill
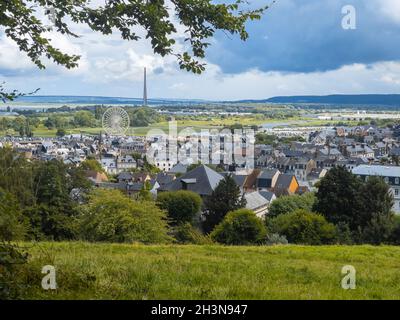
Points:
[[74, 100], [339, 99], [388, 100]]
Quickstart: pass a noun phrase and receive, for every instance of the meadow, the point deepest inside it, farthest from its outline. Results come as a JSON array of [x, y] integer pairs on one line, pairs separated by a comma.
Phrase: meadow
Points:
[[135, 271]]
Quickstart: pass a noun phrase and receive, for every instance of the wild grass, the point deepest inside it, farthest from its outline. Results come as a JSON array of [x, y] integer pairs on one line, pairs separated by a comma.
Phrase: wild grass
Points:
[[123, 271]]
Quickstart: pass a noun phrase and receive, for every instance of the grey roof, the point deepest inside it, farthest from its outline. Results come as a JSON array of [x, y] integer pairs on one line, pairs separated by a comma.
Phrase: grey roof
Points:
[[383, 171], [267, 174], [240, 179], [206, 181], [125, 176], [163, 178], [179, 168], [293, 153], [267, 195], [135, 186], [358, 148], [283, 181], [255, 200]]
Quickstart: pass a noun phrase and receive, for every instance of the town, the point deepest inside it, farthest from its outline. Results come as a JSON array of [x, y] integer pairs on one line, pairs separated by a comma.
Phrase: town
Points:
[[276, 169], [199, 150]]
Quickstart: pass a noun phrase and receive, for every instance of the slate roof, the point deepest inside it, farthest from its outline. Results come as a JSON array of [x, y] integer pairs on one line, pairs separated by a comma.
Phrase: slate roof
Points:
[[254, 200], [163, 178], [178, 168], [267, 174], [125, 176], [267, 195], [383, 171], [283, 182], [202, 180]]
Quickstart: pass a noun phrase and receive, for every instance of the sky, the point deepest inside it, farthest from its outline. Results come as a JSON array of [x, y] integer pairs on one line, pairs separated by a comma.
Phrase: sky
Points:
[[298, 48]]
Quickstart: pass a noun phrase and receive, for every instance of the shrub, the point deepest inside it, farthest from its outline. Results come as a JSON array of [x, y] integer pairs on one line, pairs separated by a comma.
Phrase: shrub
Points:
[[275, 238], [185, 233], [288, 204], [111, 216], [303, 227], [11, 260], [240, 227], [395, 235], [182, 206]]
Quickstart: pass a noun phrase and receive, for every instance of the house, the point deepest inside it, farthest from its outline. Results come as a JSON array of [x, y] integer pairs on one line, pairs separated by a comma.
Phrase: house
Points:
[[257, 203], [266, 179], [125, 177], [140, 177], [315, 175], [270, 196], [286, 185], [391, 175], [360, 151], [163, 178], [201, 180], [126, 162]]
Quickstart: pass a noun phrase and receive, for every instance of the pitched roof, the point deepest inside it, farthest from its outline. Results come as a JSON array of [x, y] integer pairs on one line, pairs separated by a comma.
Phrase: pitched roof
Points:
[[202, 180], [179, 168], [255, 200], [267, 195], [163, 178], [268, 174], [284, 181], [125, 176]]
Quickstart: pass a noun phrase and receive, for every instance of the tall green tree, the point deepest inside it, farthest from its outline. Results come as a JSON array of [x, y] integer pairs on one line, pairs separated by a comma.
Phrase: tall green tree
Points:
[[376, 220], [16, 176], [12, 222], [338, 197], [225, 197]]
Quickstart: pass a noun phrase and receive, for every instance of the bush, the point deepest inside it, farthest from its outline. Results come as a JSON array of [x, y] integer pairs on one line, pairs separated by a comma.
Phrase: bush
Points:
[[111, 216], [288, 204], [240, 227], [344, 234], [275, 238], [185, 233], [303, 227], [51, 223], [182, 206], [11, 260], [395, 235], [12, 224]]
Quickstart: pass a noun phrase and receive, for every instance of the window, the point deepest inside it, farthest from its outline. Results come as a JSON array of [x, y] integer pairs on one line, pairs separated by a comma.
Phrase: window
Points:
[[396, 192], [386, 179], [396, 181]]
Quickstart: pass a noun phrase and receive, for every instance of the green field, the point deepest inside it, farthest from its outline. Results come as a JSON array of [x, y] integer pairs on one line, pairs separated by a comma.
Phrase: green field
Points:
[[123, 271]]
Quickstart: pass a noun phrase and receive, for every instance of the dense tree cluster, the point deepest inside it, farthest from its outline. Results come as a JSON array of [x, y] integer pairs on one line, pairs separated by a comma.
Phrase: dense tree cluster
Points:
[[346, 209]]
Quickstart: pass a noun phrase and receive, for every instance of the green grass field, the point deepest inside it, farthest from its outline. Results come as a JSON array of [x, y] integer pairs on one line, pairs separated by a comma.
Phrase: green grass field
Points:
[[122, 271]]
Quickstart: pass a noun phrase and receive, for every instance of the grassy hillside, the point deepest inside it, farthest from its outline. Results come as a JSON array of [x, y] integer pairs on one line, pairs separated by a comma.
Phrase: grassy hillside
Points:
[[117, 271]]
